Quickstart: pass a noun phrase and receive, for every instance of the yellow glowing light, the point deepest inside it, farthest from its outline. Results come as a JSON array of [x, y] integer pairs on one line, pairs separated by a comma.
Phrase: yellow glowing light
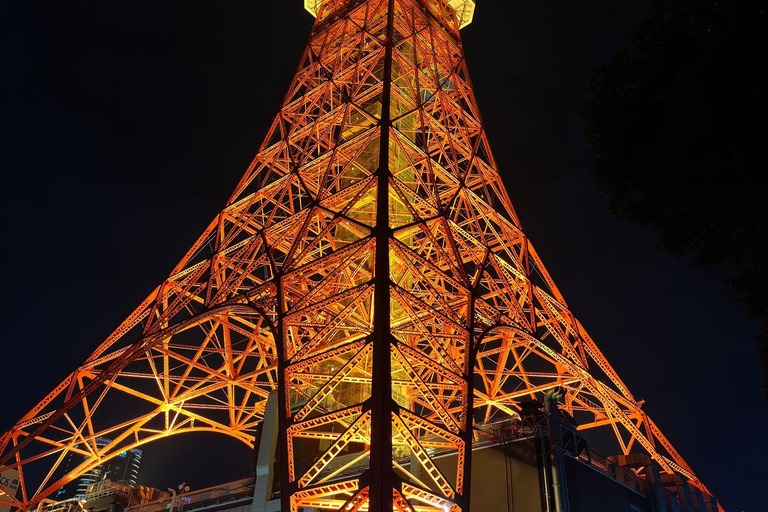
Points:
[[465, 9], [312, 6]]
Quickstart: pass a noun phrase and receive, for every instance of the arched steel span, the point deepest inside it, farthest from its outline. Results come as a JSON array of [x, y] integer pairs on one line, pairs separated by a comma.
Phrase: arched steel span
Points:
[[371, 268], [181, 398]]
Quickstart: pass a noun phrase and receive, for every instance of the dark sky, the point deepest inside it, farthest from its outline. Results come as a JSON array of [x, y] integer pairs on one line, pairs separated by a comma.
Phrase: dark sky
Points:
[[125, 126]]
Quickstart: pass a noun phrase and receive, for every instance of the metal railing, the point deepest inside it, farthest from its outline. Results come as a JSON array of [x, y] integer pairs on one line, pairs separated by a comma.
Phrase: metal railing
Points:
[[512, 429], [106, 488], [220, 494], [621, 474]]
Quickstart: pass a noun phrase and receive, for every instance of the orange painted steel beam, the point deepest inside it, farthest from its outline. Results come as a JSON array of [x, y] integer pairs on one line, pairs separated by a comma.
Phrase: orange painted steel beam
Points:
[[368, 266]]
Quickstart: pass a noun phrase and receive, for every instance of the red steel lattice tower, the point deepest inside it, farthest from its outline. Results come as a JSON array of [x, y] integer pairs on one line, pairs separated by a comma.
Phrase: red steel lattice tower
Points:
[[369, 267]]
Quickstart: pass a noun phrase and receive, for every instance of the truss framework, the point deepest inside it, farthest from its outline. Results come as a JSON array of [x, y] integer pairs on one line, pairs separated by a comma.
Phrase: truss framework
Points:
[[370, 267]]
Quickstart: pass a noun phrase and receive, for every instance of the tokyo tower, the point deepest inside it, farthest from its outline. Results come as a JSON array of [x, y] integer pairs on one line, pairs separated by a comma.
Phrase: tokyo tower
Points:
[[369, 269]]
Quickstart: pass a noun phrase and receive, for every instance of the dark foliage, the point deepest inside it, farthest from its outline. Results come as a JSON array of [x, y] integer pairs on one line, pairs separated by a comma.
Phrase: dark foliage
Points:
[[677, 127]]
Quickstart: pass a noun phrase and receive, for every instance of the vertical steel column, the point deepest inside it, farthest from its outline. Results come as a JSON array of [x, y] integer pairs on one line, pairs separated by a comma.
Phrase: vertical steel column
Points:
[[380, 497], [469, 410], [283, 408]]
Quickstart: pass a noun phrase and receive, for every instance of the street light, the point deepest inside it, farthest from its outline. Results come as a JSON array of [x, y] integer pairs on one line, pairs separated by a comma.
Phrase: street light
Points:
[[182, 489]]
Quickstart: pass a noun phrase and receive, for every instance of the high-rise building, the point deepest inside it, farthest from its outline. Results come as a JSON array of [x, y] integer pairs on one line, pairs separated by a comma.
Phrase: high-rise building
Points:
[[125, 467], [122, 468]]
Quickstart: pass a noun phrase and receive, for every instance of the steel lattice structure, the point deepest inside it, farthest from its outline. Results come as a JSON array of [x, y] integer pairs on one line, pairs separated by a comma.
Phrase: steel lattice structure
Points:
[[370, 268]]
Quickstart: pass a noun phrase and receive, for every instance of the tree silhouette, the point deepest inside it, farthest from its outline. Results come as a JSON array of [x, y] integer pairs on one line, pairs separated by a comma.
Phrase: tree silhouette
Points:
[[677, 128]]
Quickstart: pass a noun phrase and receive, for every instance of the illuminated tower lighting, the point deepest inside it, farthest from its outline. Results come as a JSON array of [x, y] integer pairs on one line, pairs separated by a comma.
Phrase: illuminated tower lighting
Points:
[[370, 268]]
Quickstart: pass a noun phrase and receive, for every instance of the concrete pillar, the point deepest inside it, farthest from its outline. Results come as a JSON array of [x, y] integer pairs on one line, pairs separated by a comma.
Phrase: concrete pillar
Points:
[[673, 504], [698, 500], [676, 484], [265, 460]]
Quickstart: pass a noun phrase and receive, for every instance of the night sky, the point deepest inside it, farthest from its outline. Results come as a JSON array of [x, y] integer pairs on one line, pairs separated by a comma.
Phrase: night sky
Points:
[[126, 125]]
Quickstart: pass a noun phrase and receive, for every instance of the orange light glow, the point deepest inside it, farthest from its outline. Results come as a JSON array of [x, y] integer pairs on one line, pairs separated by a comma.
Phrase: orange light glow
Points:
[[371, 233]]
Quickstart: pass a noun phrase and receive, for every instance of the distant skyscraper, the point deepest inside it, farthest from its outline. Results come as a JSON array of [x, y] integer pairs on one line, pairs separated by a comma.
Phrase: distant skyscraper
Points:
[[123, 468]]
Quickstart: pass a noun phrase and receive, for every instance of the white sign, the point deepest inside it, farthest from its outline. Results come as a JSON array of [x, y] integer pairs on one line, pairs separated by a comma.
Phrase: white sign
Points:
[[9, 484]]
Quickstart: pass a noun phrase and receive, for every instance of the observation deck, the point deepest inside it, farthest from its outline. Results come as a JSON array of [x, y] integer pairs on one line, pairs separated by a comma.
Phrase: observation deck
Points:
[[465, 9]]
